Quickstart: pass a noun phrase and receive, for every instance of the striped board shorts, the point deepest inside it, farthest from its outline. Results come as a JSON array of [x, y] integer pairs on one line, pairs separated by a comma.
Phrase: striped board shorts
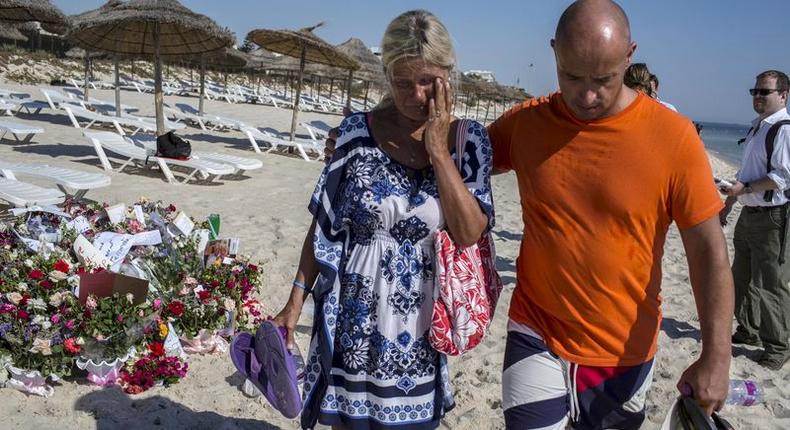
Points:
[[543, 391]]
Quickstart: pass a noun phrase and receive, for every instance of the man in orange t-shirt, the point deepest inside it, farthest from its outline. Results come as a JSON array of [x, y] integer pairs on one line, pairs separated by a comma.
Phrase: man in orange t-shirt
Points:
[[602, 172]]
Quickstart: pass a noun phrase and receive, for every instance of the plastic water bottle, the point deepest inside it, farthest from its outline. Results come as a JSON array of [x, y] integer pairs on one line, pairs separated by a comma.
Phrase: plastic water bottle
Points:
[[744, 393]]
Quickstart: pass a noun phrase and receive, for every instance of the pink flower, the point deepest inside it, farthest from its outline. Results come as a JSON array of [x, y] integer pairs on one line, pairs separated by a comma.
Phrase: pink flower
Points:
[[119, 318], [70, 324], [55, 318], [91, 303]]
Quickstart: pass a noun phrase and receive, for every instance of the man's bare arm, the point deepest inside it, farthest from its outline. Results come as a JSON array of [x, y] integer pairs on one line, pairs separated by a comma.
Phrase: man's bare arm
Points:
[[711, 282]]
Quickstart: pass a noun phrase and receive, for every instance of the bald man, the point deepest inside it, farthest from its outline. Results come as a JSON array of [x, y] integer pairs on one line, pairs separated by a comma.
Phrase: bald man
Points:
[[602, 172]]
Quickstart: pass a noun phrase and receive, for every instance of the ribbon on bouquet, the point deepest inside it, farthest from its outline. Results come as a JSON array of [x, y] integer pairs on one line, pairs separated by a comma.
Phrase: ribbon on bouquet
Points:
[[205, 342]]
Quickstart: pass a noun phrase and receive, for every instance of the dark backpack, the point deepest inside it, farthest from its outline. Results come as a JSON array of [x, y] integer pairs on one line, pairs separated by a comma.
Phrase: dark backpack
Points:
[[169, 145], [770, 137]]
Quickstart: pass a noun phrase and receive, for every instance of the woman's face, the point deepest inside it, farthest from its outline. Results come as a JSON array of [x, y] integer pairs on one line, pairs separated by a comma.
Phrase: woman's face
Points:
[[412, 86]]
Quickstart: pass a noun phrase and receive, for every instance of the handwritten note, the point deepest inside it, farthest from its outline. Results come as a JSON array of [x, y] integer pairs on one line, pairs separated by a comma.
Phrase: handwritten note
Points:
[[183, 223], [88, 255], [116, 213]]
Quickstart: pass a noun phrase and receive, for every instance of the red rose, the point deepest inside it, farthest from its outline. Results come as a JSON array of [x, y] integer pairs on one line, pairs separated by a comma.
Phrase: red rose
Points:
[[46, 284], [22, 314], [214, 284], [231, 284], [71, 345], [25, 298], [253, 268], [204, 295], [61, 266], [157, 349], [36, 274], [175, 308]]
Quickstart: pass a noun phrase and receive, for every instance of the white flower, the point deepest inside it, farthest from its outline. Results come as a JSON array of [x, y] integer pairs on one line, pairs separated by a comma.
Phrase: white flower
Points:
[[57, 275], [14, 298], [39, 320], [55, 300], [130, 298], [229, 304], [46, 325], [74, 281], [28, 263], [39, 304], [21, 286], [41, 346]]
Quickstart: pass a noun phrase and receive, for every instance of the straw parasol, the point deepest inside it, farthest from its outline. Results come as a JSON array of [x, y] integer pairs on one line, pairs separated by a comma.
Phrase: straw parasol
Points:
[[19, 11], [371, 67], [149, 28], [9, 32], [228, 58], [306, 46]]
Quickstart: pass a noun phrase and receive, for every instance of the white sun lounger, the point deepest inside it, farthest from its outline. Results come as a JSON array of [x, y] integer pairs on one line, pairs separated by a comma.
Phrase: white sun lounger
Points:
[[240, 164], [318, 130], [274, 142], [16, 129], [74, 111], [22, 194], [116, 144], [66, 179], [7, 107], [214, 122]]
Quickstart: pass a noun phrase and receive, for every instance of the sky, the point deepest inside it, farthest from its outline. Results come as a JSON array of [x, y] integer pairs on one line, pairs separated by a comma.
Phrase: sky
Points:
[[706, 53]]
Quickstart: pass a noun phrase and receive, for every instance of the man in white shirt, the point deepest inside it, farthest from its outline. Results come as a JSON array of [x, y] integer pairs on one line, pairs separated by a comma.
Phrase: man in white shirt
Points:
[[761, 274]]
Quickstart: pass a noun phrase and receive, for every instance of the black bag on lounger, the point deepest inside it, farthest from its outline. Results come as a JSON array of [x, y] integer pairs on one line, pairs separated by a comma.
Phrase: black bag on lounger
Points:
[[169, 145]]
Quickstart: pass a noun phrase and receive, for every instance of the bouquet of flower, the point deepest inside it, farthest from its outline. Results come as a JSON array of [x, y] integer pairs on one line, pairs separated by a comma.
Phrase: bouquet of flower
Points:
[[112, 325], [152, 368], [39, 316]]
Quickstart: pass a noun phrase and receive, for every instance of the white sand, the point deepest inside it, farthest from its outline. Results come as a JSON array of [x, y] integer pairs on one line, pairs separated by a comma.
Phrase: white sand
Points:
[[267, 210]]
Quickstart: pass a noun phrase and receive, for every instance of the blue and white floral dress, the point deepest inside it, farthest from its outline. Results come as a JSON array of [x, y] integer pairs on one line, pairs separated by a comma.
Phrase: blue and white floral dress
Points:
[[370, 364]]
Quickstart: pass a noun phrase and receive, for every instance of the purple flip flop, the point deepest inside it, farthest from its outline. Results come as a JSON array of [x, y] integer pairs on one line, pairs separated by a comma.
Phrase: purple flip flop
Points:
[[267, 363]]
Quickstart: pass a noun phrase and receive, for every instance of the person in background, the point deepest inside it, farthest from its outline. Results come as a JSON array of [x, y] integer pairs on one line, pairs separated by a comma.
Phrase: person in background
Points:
[[654, 87], [762, 276]]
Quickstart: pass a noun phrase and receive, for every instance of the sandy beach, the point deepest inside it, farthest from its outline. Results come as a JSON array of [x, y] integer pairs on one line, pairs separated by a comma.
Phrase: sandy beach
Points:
[[267, 211]]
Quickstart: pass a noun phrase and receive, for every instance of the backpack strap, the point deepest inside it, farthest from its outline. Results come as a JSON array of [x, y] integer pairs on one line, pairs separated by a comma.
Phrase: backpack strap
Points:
[[770, 139]]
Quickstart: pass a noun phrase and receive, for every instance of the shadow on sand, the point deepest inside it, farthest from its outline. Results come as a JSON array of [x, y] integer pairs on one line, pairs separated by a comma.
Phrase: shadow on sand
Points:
[[114, 410]]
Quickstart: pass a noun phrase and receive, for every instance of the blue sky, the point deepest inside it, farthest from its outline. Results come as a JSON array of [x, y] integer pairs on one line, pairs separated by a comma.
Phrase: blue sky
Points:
[[705, 52]]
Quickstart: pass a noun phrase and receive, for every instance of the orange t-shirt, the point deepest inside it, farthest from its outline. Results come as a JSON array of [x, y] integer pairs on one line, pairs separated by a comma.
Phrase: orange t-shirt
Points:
[[597, 199]]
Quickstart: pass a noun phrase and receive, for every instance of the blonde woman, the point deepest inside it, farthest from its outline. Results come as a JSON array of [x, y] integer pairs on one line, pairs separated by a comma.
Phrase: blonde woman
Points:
[[368, 255]]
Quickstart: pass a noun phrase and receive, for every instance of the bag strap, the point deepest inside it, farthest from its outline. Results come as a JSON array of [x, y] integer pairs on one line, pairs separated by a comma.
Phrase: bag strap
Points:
[[770, 139], [460, 143]]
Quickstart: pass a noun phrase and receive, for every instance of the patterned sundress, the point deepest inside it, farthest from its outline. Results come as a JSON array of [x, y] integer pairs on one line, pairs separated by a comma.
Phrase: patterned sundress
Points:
[[370, 364]]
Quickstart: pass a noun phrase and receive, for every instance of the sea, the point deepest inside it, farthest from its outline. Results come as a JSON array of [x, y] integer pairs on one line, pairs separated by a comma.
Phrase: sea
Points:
[[722, 140]]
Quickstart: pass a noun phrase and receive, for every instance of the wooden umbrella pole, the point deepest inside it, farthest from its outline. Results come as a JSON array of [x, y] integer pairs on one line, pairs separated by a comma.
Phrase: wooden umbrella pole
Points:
[[202, 84], [158, 98], [117, 89], [87, 76], [298, 94], [348, 89]]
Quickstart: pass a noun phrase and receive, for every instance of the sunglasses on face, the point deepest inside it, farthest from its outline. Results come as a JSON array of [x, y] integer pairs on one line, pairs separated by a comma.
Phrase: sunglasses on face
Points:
[[761, 91]]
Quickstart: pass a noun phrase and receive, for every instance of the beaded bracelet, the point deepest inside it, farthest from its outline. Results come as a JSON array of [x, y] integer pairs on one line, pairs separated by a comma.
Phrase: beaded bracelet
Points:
[[300, 285]]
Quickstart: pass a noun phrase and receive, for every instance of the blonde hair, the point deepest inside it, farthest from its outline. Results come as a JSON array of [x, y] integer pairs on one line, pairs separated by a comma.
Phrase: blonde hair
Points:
[[418, 34]]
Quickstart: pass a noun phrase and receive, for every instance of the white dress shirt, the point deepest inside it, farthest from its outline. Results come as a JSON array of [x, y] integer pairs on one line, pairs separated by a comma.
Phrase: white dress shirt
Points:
[[754, 164]]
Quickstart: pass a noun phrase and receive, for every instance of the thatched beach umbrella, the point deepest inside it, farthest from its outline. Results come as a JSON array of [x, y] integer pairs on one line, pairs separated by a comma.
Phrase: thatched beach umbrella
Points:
[[371, 67], [87, 58], [10, 32], [306, 46], [228, 58], [149, 28], [20, 11]]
